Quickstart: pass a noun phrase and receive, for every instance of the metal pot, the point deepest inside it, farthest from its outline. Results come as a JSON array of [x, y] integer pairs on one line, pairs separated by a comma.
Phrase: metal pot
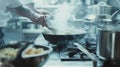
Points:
[[108, 44], [96, 61]]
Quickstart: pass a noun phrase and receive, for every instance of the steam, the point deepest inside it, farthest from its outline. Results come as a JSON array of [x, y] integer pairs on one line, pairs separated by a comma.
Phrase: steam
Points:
[[62, 16], [62, 22]]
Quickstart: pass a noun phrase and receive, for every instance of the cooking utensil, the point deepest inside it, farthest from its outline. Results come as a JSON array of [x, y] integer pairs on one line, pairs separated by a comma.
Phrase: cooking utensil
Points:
[[108, 44], [29, 61], [61, 38]]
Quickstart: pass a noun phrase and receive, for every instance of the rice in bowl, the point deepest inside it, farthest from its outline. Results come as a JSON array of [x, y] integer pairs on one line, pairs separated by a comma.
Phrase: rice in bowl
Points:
[[8, 53]]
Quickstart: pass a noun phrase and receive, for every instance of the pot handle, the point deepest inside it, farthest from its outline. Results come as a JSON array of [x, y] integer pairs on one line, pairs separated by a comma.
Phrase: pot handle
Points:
[[114, 15], [81, 48]]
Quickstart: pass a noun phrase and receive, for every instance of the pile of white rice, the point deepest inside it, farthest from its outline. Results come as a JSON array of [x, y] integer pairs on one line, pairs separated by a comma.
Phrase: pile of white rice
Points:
[[8, 53]]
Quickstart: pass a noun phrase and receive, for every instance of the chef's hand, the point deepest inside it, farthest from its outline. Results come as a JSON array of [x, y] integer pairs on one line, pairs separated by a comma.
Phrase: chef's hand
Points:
[[43, 12], [33, 16], [40, 19]]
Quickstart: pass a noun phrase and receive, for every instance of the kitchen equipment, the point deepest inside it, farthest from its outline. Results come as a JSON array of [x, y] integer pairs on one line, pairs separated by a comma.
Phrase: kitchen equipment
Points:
[[108, 44], [61, 38], [80, 47], [100, 8], [108, 39], [86, 2], [111, 63], [84, 50], [96, 61], [61, 42], [98, 11], [114, 16], [29, 61]]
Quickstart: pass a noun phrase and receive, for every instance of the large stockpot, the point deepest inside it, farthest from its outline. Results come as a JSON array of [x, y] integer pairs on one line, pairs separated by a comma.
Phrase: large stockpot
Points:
[[108, 44]]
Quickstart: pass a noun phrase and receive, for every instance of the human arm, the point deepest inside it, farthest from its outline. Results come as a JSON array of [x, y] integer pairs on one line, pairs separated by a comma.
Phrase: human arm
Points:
[[36, 18], [31, 6]]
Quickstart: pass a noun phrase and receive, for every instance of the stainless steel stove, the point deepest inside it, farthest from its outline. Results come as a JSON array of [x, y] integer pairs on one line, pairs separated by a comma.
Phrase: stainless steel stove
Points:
[[64, 56], [69, 52]]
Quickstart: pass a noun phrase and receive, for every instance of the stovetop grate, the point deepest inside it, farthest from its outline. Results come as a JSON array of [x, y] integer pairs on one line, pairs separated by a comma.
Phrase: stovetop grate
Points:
[[72, 53]]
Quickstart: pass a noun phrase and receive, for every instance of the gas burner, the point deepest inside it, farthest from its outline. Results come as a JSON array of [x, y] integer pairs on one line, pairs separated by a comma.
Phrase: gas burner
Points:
[[73, 56], [72, 53], [69, 52]]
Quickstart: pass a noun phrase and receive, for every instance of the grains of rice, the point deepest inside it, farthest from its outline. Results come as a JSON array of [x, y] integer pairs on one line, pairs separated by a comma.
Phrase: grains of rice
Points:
[[8, 53]]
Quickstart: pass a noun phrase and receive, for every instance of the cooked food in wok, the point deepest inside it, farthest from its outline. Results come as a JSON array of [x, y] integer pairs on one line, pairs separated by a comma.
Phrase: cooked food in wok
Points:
[[8, 53], [65, 32], [72, 32]]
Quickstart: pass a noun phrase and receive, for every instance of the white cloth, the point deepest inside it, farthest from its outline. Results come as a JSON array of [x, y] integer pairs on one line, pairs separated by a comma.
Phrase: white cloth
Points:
[[5, 14]]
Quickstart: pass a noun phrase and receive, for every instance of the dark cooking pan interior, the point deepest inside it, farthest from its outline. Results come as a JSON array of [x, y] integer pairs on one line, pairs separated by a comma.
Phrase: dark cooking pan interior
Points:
[[56, 39]]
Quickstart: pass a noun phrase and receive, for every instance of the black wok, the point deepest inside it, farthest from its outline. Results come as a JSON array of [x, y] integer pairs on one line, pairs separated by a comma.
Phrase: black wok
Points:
[[57, 39]]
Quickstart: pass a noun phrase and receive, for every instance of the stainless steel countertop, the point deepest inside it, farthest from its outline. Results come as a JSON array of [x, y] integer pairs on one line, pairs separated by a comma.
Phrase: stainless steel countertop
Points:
[[54, 61]]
